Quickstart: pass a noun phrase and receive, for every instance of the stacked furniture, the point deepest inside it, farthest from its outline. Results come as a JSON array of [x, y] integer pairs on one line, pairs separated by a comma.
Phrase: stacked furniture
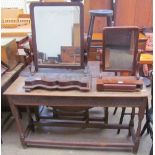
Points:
[[13, 17], [56, 89], [14, 65]]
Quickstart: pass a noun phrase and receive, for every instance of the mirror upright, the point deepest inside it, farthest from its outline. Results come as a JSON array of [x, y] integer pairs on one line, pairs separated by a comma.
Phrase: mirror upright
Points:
[[120, 49], [57, 34]]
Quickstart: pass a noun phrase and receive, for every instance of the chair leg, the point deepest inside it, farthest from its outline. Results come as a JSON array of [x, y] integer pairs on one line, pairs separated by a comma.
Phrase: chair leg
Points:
[[121, 119], [115, 110], [55, 115], [144, 128], [147, 122], [90, 33], [36, 113]]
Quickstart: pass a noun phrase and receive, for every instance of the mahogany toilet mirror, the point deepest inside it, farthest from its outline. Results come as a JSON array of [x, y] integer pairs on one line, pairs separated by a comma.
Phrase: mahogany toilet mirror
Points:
[[57, 35], [120, 49]]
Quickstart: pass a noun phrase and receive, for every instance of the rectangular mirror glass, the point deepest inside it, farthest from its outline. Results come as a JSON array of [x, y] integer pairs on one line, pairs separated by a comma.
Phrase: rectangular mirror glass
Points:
[[57, 34], [120, 49]]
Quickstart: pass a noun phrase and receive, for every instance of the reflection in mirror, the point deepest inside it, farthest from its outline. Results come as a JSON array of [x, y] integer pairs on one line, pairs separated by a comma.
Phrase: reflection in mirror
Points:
[[120, 48], [58, 34]]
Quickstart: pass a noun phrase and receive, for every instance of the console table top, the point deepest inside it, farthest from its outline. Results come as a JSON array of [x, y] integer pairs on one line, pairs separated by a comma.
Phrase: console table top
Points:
[[17, 89]]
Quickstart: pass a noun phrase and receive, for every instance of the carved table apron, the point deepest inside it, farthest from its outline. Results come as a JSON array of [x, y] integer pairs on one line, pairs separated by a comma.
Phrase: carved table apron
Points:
[[18, 97]]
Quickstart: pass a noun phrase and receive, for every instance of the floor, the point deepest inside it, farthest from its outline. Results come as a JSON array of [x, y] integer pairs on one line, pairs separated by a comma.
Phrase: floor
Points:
[[11, 144]]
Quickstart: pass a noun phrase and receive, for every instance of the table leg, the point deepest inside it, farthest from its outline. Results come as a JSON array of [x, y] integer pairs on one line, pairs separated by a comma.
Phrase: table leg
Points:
[[140, 118], [17, 117], [146, 124]]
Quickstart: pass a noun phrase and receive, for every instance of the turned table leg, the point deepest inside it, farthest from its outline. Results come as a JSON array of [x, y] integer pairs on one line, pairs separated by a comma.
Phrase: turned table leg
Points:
[[140, 118], [17, 117]]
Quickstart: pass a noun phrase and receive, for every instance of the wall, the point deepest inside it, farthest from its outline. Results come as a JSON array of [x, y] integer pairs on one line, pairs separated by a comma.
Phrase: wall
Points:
[[13, 4], [134, 12]]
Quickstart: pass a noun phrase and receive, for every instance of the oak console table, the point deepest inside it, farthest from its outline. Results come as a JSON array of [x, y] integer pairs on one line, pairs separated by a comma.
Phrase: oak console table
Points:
[[18, 97]]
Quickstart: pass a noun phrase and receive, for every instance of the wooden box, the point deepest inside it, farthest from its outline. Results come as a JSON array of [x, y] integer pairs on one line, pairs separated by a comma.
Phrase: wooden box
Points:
[[119, 83], [9, 52]]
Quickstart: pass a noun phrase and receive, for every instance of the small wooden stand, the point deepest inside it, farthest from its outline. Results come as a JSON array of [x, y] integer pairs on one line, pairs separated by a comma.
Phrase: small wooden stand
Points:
[[129, 83]]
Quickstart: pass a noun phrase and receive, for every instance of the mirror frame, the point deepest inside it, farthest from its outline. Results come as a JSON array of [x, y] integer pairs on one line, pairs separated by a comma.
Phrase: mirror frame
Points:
[[133, 70], [34, 44]]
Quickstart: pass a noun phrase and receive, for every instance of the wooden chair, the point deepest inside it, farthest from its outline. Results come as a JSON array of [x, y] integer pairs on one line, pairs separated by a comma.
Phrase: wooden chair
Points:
[[120, 53], [145, 59], [148, 125], [149, 118]]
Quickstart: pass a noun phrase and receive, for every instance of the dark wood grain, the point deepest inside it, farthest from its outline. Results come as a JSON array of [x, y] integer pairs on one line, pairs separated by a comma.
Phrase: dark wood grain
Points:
[[119, 84], [122, 39], [61, 82], [19, 98]]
